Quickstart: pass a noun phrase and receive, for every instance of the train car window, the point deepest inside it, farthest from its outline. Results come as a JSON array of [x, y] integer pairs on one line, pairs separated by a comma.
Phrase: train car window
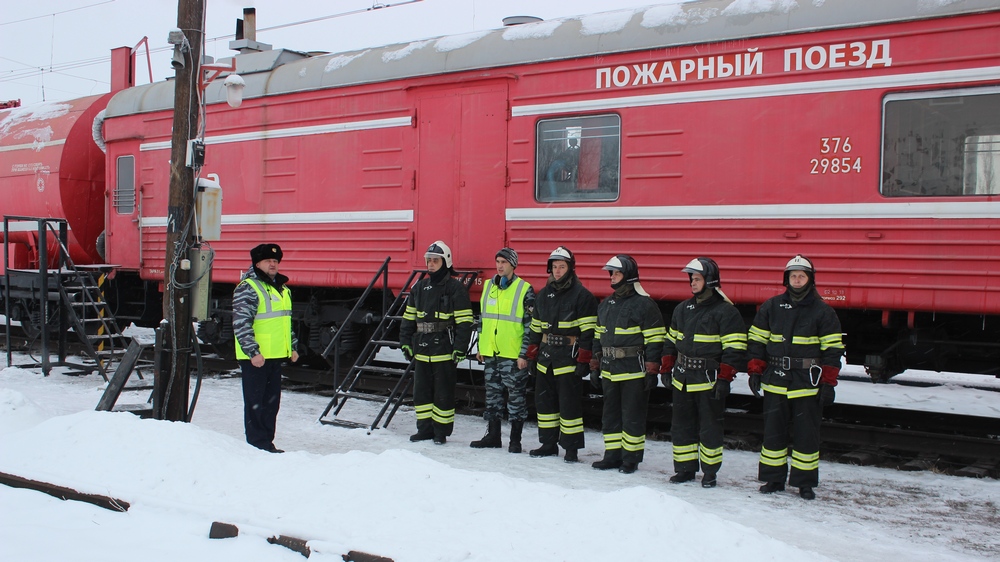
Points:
[[941, 144], [124, 196], [577, 159]]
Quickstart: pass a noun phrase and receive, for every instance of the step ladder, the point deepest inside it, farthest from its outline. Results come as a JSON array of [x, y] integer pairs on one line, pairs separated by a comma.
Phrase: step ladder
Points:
[[130, 362], [92, 319], [382, 337]]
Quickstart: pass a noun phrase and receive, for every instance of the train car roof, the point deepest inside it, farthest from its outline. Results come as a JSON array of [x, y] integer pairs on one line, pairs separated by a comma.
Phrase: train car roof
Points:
[[283, 71]]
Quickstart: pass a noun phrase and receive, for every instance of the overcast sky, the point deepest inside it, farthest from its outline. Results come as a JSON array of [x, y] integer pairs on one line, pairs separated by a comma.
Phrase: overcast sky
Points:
[[52, 50]]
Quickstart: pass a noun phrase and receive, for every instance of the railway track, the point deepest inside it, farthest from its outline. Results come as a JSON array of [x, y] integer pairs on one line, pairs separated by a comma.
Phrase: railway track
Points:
[[892, 438]]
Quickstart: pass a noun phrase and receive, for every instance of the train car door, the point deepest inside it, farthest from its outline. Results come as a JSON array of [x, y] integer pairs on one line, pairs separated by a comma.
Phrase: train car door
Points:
[[461, 173]]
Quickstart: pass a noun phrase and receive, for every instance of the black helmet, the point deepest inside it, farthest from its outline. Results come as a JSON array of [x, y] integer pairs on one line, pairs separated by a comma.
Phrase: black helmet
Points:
[[630, 271], [561, 253], [707, 268], [800, 263]]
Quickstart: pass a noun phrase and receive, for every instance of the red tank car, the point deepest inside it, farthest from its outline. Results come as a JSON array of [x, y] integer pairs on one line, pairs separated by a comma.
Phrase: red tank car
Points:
[[50, 166], [865, 135]]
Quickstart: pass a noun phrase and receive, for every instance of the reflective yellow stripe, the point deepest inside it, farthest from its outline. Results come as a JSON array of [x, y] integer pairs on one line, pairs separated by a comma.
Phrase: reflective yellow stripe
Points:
[[654, 335], [802, 393], [674, 335], [443, 416], [433, 358], [707, 338], [773, 458], [710, 456], [633, 443], [685, 453], [776, 338], [774, 389], [619, 377], [832, 340], [548, 421], [619, 330], [734, 341], [569, 427], [805, 461], [805, 340], [424, 411], [759, 335], [612, 441]]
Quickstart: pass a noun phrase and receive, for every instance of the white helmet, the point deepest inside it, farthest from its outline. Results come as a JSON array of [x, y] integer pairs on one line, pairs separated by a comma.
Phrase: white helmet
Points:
[[561, 253], [800, 263], [439, 250]]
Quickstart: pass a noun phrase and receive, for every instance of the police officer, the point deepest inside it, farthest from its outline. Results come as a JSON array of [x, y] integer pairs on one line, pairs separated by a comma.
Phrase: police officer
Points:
[[560, 342], [705, 347], [795, 349], [262, 324], [436, 328], [506, 305], [631, 332]]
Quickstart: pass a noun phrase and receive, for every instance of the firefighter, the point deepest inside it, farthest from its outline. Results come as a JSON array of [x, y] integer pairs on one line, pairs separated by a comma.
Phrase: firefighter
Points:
[[559, 342], [705, 347], [436, 328], [795, 349], [625, 364], [262, 326], [506, 306]]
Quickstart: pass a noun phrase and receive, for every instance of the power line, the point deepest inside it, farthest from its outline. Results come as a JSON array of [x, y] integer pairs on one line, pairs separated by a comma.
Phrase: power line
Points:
[[57, 13]]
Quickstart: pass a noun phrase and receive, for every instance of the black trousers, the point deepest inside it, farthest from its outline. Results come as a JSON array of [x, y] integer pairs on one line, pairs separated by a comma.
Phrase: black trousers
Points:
[[434, 397], [261, 399], [696, 430], [559, 405], [623, 422], [791, 422]]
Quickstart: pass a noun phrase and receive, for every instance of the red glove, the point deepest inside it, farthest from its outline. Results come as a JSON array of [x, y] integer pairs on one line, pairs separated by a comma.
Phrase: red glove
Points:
[[829, 375], [756, 366], [595, 364], [584, 356], [667, 364], [727, 372], [532, 353], [652, 368]]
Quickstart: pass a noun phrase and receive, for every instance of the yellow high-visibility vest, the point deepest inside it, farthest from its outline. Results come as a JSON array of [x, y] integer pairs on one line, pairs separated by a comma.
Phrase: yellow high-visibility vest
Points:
[[272, 326], [502, 319]]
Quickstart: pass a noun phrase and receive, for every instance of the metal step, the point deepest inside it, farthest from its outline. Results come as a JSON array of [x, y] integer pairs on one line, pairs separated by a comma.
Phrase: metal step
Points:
[[345, 423], [362, 396], [382, 370]]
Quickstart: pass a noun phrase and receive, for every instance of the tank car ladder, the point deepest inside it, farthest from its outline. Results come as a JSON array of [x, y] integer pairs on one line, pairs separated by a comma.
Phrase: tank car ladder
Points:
[[364, 365]]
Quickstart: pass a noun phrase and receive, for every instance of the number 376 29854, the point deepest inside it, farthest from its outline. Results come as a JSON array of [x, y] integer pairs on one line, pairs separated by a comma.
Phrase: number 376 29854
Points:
[[835, 157]]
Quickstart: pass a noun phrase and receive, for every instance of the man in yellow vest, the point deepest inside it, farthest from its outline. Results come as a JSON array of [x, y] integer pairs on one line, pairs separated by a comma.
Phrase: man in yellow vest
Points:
[[506, 306], [262, 325]]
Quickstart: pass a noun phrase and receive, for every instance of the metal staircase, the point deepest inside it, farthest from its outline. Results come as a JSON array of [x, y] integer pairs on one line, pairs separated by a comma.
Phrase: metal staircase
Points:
[[82, 305], [384, 336]]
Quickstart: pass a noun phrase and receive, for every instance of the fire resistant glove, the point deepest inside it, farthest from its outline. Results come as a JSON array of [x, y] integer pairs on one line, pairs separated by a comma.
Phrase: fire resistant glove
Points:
[[826, 395], [408, 353], [721, 389], [756, 368], [754, 384], [532, 353], [666, 368], [457, 356], [651, 370]]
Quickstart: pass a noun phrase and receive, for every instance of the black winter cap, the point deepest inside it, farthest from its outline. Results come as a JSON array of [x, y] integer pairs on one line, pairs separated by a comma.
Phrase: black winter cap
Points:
[[265, 252]]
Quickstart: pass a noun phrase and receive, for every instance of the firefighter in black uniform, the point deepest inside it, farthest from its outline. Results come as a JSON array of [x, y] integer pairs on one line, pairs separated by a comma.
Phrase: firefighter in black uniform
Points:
[[436, 328], [559, 342], [705, 347], [625, 364], [795, 349]]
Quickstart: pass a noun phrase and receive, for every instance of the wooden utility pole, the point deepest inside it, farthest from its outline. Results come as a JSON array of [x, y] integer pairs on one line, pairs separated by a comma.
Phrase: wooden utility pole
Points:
[[173, 379]]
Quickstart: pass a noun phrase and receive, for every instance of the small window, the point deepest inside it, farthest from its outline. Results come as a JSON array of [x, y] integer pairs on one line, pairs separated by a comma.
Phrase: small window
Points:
[[577, 159], [941, 144], [124, 196]]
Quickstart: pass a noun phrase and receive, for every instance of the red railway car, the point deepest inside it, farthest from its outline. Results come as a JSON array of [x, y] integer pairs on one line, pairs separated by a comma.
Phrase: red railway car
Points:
[[865, 135]]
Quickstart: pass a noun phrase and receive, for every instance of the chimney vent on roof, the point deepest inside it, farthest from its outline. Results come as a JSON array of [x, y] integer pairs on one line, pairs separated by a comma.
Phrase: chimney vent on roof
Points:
[[246, 34]]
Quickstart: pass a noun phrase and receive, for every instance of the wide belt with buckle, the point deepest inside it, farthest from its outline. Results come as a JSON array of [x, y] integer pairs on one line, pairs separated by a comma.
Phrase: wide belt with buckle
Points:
[[786, 363], [621, 352], [432, 327], [696, 362], [558, 339]]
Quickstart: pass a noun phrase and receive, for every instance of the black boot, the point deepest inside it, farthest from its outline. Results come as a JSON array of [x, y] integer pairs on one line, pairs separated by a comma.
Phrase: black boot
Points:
[[612, 459], [515, 436], [492, 438], [571, 456], [682, 477], [807, 493], [418, 436], [709, 481], [549, 450], [772, 487], [628, 467]]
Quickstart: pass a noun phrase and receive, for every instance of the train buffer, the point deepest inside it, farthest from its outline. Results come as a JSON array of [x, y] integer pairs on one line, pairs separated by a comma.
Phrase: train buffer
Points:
[[399, 380]]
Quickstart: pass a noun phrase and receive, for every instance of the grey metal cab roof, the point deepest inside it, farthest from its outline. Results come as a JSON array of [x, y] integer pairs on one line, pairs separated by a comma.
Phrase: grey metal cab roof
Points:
[[282, 71]]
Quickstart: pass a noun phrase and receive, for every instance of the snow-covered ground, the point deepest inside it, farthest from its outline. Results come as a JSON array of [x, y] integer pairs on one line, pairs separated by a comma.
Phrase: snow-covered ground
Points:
[[345, 490]]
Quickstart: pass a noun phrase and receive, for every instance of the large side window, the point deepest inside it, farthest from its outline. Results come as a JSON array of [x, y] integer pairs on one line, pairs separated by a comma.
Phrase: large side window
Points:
[[124, 196], [939, 144], [577, 159]]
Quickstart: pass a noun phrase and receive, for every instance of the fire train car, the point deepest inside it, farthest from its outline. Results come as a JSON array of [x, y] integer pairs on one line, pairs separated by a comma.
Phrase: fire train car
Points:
[[864, 135]]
